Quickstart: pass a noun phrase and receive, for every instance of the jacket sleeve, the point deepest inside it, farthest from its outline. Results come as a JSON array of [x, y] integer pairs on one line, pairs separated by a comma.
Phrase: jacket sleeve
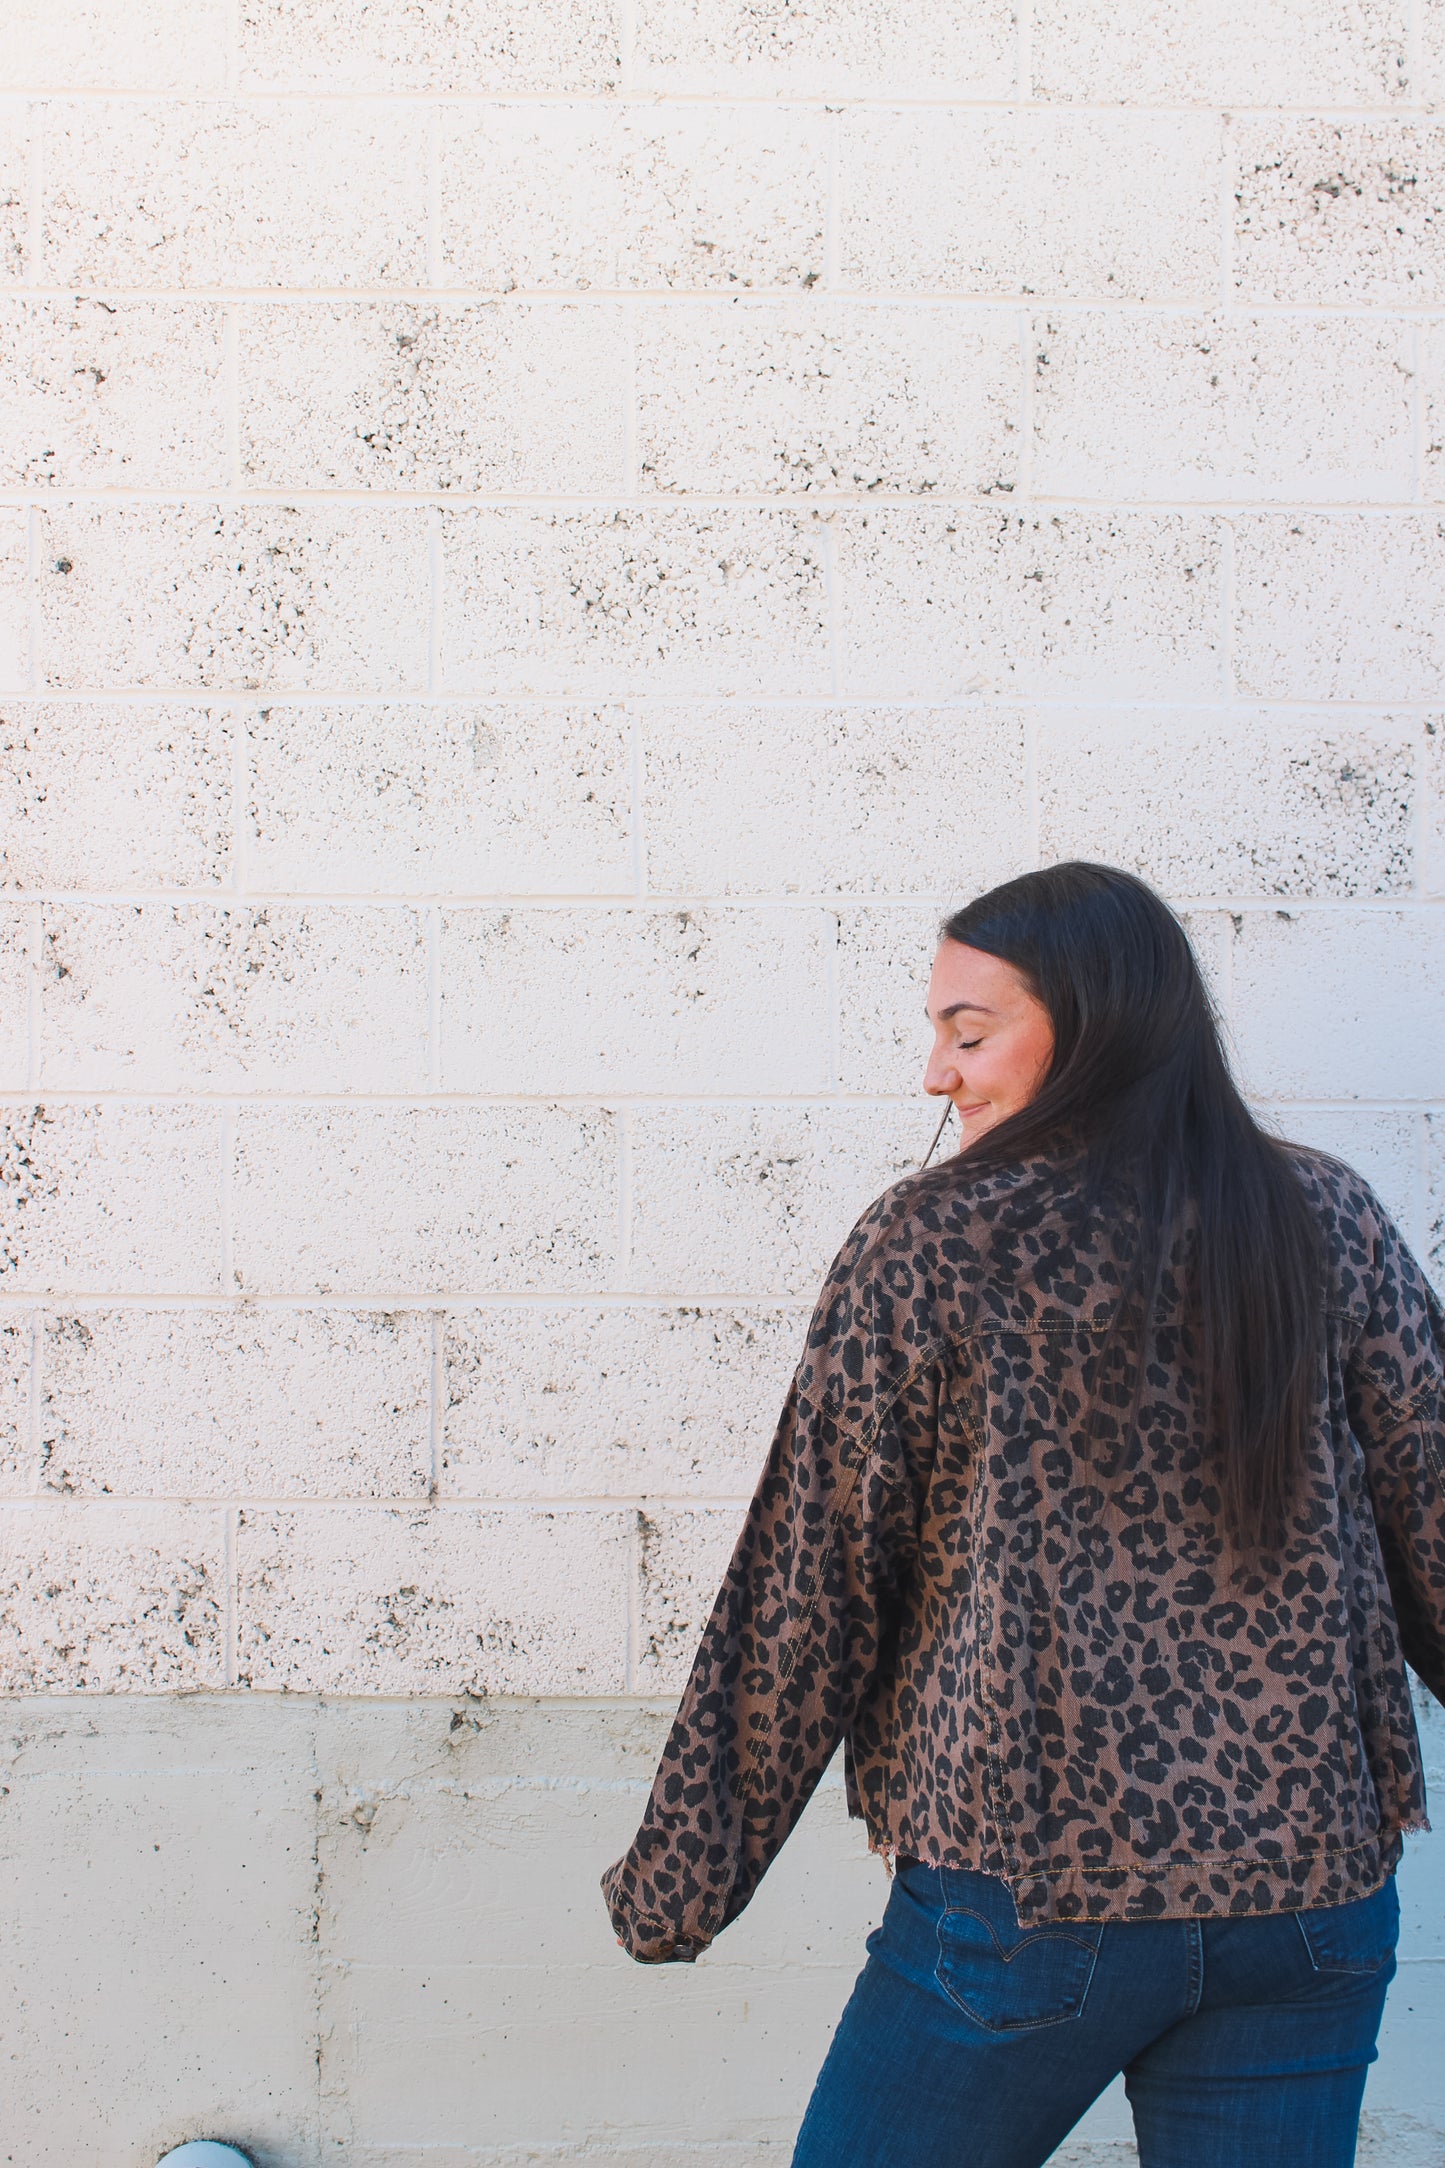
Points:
[[792, 1643], [1396, 1388]]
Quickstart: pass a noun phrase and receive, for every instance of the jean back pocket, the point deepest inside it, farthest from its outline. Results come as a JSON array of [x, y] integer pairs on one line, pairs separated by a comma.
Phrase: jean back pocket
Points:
[[1005, 1977], [1356, 1937]]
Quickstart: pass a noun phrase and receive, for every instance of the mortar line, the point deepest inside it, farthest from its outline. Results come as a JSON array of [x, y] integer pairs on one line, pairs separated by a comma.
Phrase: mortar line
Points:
[[883, 102], [991, 300], [1376, 708], [1031, 786], [435, 601], [833, 996], [623, 1266], [832, 625], [229, 1131], [34, 953], [661, 903], [36, 1384], [434, 996], [627, 46], [1226, 217], [1028, 346], [231, 391], [798, 512], [629, 404], [230, 1520], [434, 266], [637, 767], [238, 857], [436, 1406], [616, 1103], [231, 52], [1229, 687], [388, 1302], [634, 1603], [35, 195], [1417, 412], [33, 626], [832, 207]]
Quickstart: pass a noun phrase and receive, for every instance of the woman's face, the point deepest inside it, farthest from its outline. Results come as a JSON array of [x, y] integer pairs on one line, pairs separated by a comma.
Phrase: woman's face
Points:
[[992, 1039]]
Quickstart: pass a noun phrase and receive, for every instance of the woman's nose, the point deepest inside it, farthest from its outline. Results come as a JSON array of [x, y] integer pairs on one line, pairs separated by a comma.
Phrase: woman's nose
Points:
[[941, 1079]]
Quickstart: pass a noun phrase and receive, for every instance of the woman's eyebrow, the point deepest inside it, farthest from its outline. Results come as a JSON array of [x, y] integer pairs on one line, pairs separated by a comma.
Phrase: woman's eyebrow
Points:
[[954, 1007]]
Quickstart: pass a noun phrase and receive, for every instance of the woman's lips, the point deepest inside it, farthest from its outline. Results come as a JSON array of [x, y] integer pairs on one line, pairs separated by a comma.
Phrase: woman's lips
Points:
[[964, 1112]]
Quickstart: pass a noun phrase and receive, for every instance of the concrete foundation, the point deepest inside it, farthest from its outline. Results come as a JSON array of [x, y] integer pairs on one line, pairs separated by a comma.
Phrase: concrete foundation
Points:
[[368, 1933]]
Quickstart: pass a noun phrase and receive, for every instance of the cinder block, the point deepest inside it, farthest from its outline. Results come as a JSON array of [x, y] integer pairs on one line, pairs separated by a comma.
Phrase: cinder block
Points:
[[884, 1036], [14, 600], [154, 45], [442, 798], [1387, 1148], [163, 1924], [264, 997], [112, 1197], [1232, 803], [582, 195], [824, 48], [682, 1556], [16, 933], [97, 796], [498, 395], [19, 126], [238, 1403], [432, 1600], [234, 193], [107, 394], [418, 45], [1170, 407], [424, 1200], [1338, 210], [1340, 1005], [757, 1200], [552, 1402], [662, 600], [944, 603], [1031, 202], [1339, 606], [1236, 52], [235, 597], [634, 1000], [17, 1451], [799, 397], [110, 1599], [832, 801]]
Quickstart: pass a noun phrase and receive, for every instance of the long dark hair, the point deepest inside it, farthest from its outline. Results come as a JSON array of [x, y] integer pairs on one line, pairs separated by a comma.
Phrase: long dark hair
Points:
[[1140, 1084]]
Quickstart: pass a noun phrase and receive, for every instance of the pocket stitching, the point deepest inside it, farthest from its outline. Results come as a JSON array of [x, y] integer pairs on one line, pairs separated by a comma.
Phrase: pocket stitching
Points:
[[1322, 1964], [1028, 2024]]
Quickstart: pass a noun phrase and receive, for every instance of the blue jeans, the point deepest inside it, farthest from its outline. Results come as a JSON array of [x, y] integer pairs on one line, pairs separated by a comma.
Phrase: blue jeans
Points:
[[972, 2043]]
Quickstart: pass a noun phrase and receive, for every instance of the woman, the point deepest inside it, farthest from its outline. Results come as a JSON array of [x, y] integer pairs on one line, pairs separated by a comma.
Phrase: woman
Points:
[[1106, 1511]]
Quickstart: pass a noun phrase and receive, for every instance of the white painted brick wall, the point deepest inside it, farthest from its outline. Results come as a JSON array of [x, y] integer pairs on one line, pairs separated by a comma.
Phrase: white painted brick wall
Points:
[[539, 548]]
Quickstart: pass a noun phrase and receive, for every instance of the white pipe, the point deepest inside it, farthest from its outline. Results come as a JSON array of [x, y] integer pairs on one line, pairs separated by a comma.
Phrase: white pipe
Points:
[[205, 2153]]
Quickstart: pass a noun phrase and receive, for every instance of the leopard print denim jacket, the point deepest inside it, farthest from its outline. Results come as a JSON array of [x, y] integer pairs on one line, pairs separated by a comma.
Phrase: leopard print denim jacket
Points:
[[1022, 1620]]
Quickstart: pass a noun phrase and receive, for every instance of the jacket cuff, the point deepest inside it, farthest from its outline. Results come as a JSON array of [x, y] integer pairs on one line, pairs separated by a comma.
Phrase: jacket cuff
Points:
[[647, 1941]]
